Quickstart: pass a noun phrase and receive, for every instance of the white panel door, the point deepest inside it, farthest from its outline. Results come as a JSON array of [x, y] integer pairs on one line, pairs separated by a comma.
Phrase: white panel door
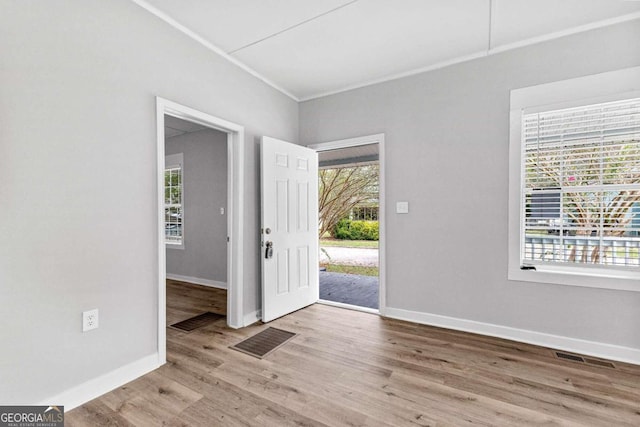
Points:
[[289, 237]]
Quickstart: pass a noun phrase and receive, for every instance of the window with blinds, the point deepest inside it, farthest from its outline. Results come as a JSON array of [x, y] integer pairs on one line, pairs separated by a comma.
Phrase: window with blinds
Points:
[[581, 186], [173, 205]]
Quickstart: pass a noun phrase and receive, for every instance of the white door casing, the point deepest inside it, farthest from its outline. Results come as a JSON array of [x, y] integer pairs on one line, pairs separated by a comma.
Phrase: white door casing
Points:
[[289, 226]]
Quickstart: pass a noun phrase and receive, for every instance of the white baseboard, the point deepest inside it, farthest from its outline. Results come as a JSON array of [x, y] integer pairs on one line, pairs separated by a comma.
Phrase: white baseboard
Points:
[[253, 317], [574, 345], [96, 387], [198, 281]]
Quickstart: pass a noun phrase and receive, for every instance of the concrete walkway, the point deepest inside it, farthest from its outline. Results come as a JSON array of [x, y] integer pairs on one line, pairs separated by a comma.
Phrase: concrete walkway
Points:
[[349, 256]]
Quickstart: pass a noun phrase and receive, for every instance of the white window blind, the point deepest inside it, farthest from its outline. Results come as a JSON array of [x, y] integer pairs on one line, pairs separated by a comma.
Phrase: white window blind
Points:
[[581, 186], [173, 205]]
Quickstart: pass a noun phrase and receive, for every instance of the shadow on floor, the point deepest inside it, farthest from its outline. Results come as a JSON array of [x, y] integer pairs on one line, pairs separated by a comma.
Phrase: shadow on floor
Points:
[[349, 289]]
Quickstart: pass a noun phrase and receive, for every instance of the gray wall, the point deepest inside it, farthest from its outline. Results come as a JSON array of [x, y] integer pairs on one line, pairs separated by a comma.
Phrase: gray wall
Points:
[[205, 191], [447, 154], [78, 81]]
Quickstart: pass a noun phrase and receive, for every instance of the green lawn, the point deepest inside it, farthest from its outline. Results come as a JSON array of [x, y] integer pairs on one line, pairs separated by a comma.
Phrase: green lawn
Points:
[[351, 269], [349, 243]]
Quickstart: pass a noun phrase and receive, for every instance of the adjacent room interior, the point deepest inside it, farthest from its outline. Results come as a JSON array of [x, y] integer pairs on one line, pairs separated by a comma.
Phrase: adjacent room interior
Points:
[[195, 211]]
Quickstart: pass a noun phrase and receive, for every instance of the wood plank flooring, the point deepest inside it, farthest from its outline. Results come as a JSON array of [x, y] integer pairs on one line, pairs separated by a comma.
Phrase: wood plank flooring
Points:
[[349, 368]]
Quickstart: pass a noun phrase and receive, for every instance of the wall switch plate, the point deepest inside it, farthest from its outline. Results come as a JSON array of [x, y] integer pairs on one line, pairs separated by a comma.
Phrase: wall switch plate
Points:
[[402, 207], [89, 320], [221, 211]]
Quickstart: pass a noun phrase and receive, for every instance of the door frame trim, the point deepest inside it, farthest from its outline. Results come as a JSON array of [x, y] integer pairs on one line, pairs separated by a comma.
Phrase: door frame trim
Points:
[[354, 142], [235, 212]]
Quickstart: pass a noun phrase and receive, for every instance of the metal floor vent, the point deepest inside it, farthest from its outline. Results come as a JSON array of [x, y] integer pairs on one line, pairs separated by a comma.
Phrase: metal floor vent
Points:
[[602, 363], [197, 321], [585, 360], [263, 343]]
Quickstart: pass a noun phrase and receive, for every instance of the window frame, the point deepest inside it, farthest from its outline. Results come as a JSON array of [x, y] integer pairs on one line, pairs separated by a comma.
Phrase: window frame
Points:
[[173, 161], [594, 89]]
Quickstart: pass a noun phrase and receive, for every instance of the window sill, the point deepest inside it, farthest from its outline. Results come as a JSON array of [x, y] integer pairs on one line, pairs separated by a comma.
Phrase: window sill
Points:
[[583, 277]]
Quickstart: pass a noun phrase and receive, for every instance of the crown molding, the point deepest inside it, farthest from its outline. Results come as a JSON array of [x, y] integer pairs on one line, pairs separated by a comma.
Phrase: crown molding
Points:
[[567, 32]]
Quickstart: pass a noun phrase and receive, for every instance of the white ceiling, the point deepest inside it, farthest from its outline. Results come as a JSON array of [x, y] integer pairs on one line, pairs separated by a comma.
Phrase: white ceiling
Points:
[[309, 48], [174, 126]]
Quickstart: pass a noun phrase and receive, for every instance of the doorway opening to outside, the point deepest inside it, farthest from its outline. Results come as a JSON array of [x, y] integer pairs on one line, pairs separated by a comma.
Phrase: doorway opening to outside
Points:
[[351, 223]]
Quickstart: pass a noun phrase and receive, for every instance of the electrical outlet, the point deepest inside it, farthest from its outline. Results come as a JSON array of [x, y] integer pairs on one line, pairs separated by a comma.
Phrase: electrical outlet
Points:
[[89, 320]]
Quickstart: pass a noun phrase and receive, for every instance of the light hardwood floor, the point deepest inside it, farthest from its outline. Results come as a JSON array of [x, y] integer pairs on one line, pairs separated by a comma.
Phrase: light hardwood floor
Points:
[[352, 368]]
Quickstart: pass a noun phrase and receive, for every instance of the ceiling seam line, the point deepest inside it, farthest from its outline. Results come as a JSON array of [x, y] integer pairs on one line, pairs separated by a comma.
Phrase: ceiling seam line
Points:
[[231, 52]]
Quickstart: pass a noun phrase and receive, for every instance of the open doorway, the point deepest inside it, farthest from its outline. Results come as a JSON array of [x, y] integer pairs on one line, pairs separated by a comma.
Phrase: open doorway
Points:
[[195, 220], [351, 223], [175, 214]]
